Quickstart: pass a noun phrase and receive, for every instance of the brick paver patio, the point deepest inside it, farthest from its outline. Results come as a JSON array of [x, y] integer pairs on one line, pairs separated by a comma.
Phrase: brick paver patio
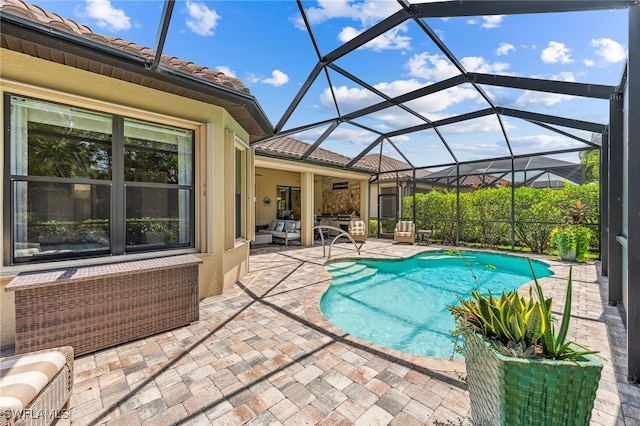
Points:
[[263, 354]]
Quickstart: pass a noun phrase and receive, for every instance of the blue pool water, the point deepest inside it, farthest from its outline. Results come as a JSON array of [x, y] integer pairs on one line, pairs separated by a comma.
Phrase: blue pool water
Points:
[[403, 304]]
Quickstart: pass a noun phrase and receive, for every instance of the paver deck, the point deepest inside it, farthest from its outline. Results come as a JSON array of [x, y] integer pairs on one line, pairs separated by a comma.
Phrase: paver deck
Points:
[[263, 354]]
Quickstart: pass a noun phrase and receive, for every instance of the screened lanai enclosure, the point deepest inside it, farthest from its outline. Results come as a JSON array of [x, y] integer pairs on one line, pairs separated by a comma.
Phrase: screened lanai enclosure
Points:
[[457, 111], [456, 121]]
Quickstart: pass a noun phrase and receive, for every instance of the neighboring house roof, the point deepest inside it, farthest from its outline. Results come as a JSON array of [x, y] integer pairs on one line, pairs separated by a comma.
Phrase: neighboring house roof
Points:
[[29, 29], [492, 172]]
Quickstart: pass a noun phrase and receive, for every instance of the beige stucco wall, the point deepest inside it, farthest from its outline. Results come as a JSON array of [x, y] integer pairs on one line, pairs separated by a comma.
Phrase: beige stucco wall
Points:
[[28, 76]]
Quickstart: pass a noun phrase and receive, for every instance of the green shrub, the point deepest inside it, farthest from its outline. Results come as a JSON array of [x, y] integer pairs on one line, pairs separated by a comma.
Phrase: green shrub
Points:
[[485, 214]]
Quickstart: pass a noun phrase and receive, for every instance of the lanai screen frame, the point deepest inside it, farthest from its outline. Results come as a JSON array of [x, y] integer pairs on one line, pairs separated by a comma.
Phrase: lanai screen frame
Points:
[[621, 231]]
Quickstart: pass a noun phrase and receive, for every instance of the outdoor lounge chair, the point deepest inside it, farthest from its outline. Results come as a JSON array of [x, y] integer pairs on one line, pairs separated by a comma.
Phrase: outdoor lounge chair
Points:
[[405, 232], [35, 387], [358, 231]]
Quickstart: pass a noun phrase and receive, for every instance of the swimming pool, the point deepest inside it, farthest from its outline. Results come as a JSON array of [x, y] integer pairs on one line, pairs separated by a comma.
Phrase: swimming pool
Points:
[[402, 304]]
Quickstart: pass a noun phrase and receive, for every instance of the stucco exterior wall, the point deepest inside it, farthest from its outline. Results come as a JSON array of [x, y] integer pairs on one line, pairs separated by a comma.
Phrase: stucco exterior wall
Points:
[[29, 76]]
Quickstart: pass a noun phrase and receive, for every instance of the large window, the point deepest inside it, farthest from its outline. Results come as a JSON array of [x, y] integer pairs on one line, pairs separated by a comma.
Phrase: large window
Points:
[[84, 183]]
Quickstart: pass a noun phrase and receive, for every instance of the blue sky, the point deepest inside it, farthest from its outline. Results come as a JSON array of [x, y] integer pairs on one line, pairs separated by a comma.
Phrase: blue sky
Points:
[[264, 44]]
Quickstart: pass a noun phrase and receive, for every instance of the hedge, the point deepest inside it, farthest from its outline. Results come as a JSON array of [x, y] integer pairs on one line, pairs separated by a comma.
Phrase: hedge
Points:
[[485, 214]]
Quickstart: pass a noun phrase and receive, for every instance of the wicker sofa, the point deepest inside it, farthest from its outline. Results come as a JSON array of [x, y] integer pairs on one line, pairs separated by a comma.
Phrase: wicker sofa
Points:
[[35, 387], [283, 230]]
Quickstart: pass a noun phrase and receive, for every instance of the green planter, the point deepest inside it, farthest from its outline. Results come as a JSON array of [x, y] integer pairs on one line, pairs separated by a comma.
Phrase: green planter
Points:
[[518, 391], [567, 253]]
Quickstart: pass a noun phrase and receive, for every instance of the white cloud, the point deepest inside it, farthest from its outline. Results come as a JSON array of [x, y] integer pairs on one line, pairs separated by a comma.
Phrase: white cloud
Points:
[[226, 71], [564, 76], [505, 48], [366, 12], [590, 63], [107, 16], [542, 142], [277, 79], [352, 99], [431, 67], [201, 20], [530, 97], [541, 98], [437, 67], [478, 64], [389, 40], [609, 50], [556, 52], [492, 21], [353, 136], [486, 124]]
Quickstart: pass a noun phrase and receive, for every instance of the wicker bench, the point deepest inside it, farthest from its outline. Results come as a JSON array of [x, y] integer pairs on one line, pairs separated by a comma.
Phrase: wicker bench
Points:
[[99, 306], [35, 387]]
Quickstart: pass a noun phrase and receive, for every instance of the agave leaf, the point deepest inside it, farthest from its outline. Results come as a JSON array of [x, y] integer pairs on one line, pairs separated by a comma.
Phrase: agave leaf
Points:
[[535, 327], [566, 314], [548, 338], [484, 310], [499, 328]]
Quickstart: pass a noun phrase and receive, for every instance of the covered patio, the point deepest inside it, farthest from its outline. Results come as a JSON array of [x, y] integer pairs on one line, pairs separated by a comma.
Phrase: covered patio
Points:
[[262, 353]]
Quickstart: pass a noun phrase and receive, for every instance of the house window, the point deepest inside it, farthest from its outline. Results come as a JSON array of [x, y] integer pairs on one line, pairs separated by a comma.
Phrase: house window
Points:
[[84, 183]]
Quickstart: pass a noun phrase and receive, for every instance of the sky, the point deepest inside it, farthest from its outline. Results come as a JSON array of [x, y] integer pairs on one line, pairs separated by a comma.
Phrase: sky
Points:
[[266, 45]]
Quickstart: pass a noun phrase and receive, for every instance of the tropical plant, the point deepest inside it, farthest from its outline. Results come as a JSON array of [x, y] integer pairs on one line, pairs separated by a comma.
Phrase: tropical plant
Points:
[[373, 227], [573, 237], [519, 326]]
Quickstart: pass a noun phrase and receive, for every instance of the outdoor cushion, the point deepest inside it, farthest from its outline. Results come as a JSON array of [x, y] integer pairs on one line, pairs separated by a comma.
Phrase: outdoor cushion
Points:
[[404, 226], [279, 227], [272, 225], [22, 377], [291, 226]]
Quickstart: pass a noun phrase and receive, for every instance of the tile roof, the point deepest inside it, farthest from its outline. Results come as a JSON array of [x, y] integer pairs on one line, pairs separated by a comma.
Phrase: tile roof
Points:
[[388, 164], [40, 15], [294, 148]]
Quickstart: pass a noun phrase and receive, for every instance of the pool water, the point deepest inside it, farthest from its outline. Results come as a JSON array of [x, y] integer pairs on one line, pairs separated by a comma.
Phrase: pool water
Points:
[[402, 304]]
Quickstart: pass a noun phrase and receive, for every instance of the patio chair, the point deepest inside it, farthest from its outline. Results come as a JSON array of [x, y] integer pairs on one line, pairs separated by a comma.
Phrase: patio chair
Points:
[[358, 231], [35, 387], [405, 232]]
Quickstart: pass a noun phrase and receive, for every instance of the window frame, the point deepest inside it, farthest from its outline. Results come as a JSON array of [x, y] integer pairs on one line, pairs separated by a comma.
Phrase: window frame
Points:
[[117, 184]]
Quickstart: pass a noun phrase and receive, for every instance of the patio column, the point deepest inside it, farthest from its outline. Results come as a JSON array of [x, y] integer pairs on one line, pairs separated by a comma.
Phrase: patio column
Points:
[[364, 201], [616, 148], [632, 196], [604, 204], [306, 214]]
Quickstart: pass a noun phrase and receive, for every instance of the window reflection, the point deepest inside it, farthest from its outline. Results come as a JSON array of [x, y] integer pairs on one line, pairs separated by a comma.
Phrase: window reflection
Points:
[[56, 218]]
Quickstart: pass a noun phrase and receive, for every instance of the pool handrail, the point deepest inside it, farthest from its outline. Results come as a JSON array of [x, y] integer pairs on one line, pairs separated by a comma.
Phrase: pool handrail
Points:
[[341, 233]]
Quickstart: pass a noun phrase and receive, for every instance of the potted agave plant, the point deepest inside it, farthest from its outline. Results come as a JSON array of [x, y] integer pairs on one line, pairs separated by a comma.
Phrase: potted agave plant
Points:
[[519, 370]]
